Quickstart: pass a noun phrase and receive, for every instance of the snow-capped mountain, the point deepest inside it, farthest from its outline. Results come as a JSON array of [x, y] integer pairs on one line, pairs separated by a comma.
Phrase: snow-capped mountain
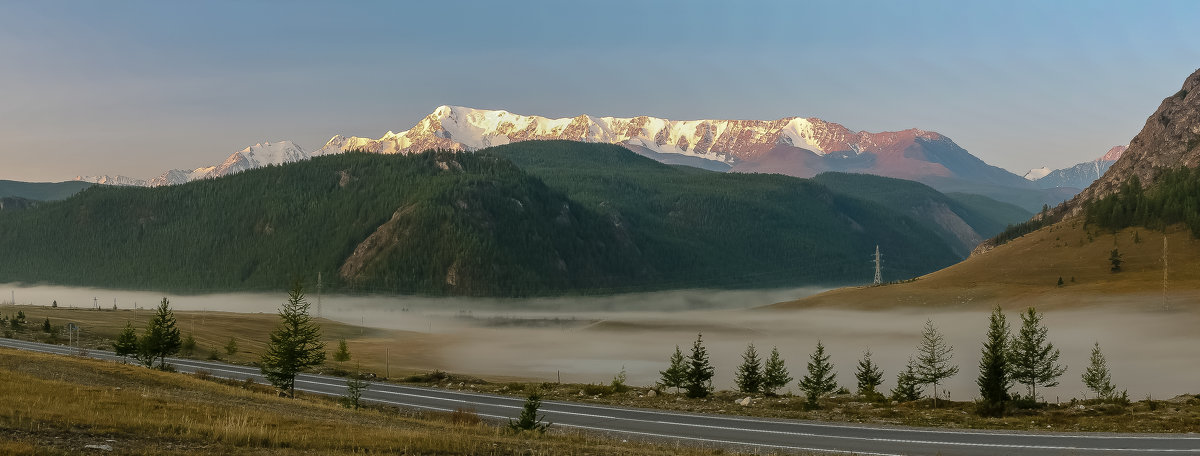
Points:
[[795, 146], [256, 156], [1079, 176], [112, 180]]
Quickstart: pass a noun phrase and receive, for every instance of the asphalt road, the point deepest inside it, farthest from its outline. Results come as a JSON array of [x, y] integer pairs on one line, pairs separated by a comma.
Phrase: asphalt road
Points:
[[742, 433]]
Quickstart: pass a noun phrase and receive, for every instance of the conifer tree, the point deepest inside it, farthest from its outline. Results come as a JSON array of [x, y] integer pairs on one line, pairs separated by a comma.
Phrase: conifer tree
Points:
[[908, 386], [188, 345], [46, 326], [295, 344], [126, 344], [161, 338], [698, 378], [676, 373], [529, 419], [869, 377], [994, 380], [343, 352], [775, 374], [1096, 377], [749, 374], [231, 348], [1033, 359], [933, 359], [1114, 258], [820, 379]]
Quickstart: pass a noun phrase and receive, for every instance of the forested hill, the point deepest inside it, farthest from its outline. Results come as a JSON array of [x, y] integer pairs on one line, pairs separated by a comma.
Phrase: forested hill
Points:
[[527, 219]]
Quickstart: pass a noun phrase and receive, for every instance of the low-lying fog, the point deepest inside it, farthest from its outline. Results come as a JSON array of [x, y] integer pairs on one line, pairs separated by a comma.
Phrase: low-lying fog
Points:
[[590, 339]]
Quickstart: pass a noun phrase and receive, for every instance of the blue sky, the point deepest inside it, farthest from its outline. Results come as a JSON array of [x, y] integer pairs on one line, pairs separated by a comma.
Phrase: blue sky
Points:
[[135, 88]]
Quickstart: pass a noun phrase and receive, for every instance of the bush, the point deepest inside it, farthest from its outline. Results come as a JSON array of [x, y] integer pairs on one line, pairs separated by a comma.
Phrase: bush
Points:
[[597, 390]]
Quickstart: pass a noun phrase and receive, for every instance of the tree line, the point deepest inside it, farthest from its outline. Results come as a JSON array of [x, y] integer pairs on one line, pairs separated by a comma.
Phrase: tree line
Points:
[[1026, 358]]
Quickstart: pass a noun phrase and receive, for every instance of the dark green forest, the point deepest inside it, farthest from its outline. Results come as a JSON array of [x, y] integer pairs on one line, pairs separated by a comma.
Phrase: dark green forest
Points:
[[1174, 197], [532, 218]]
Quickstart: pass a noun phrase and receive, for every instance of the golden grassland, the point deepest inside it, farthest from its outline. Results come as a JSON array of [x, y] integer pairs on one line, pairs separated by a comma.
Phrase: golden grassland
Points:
[[1025, 272], [57, 405]]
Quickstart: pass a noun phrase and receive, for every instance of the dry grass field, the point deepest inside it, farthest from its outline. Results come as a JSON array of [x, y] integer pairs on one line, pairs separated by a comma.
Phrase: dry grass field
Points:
[[56, 405], [1025, 272]]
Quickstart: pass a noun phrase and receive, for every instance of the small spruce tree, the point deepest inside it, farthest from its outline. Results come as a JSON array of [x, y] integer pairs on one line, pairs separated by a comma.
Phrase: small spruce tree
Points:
[[231, 348], [529, 419], [820, 379], [933, 359], [294, 346], [343, 352], [1097, 378], [161, 338], [676, 373], [698, 377], [994, 380], [46, 328], [1114, 258], [188, 346], [869, 377], [355, 385], [775, 374], [126, 344], [1033, 359], [749, 375], [908, 385]]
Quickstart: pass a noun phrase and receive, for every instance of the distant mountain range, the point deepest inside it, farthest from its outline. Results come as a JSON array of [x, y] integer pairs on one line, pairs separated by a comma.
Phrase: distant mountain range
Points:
[[794, 146], [1079, 176]]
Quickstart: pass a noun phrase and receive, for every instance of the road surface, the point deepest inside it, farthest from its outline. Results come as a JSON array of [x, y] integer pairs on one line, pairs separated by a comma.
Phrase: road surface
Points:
[[739, 433]]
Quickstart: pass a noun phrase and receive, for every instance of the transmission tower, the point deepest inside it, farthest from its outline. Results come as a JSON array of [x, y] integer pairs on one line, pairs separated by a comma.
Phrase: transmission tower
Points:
[[878, 275]]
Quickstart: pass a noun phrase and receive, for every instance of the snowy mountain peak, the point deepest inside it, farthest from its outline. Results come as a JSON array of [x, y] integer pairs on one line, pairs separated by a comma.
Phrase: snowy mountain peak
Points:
[[112, 180], [464, 128], [1037, 173]]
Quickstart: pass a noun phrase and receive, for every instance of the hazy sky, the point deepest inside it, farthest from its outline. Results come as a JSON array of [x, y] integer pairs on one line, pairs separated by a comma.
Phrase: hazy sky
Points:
[[136, 88]]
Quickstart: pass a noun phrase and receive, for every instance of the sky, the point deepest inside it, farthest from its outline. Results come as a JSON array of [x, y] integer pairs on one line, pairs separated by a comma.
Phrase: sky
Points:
[[138, 87]]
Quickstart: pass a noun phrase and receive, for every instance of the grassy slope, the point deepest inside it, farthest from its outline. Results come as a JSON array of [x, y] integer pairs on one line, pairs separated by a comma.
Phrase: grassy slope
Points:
[[1026, 270], [57, 405]]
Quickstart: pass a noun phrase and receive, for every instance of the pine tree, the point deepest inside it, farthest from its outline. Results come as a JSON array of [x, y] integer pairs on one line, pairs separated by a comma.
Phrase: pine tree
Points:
[[126, 344], [698, 377], [994, 380], [908, 386], [1114, 258], [231, 348], [869, 377], [295, 344], [343, 352], [775, 374], [1096, 377], [161, 338], [676, 373], [355, 385], [821, 379], [46, 328], [529, 419], [1033, 359], [749, 374], [933, 359]]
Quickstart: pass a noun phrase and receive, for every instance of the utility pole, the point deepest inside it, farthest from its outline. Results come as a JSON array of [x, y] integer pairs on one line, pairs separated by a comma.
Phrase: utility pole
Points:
[[387, 363], [878, 274], [318, 294], [95, 302], [1165, 306]]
